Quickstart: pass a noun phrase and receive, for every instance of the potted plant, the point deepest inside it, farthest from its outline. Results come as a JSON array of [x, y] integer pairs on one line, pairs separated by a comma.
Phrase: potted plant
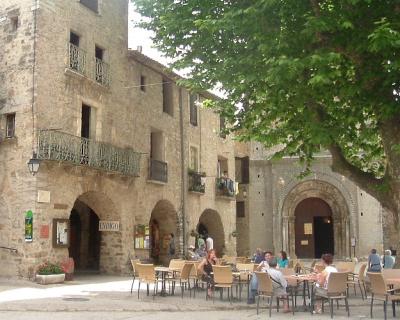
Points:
[[49, 273]]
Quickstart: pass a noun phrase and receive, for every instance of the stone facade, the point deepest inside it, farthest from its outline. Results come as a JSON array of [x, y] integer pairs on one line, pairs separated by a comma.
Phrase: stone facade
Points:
[[46, 91], [275, 191]]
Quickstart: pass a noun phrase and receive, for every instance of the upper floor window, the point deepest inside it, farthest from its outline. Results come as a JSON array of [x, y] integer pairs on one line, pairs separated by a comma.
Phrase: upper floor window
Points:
[[222, 127], [14, 23], [240, 209], [10, 125], [193, 109], [74, 38], [142, 83], [194, 159], [168, 106], [242, 170], [91, 4]]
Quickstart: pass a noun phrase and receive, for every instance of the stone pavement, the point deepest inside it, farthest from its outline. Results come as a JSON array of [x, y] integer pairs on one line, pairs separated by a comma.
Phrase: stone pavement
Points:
[[109, 297]]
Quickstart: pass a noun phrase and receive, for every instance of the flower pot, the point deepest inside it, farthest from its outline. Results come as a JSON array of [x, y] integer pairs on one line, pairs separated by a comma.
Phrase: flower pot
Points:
[[50, 278]]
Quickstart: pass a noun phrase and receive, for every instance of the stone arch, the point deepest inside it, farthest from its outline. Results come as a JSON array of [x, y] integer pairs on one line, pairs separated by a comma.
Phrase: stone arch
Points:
[[163, 222], [336, 201], [93, 206], [211, 220]]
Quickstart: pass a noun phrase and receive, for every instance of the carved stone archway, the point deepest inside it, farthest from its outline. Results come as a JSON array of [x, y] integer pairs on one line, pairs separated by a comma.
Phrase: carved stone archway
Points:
[[336, 201]]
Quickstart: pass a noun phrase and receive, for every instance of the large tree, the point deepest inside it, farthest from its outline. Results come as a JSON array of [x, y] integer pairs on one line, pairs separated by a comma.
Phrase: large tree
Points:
[[303, 74]]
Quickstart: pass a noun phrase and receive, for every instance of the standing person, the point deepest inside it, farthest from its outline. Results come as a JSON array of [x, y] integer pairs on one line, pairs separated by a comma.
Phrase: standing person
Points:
[[374, 262], [387, 260], [321, 286], [205, 267], [283, 261], [209, 243], [171, 246]]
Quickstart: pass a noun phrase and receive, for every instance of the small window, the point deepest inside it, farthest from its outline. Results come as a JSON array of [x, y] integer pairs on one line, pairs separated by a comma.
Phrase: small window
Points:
[[10, 125], [240, 209], [193, 109], [222, 127], [142, 83], [74, 38], [168, 106], [91, 4], [194, 159], [99, 53], [14, 23]]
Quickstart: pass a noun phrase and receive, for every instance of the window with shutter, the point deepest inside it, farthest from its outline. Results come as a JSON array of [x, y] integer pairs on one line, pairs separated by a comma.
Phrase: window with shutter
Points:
[[240, 209], [193, 109], [10, 125]]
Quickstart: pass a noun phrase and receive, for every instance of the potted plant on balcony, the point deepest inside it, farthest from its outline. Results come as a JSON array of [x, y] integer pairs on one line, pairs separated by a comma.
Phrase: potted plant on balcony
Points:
[[50, 273]]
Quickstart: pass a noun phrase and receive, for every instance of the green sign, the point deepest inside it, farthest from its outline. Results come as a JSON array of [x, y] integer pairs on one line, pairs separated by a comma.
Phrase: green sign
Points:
[[29, 226]]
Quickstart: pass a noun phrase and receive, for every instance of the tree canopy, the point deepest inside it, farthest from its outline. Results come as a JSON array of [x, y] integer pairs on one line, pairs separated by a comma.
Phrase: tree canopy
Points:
[[305, 74]]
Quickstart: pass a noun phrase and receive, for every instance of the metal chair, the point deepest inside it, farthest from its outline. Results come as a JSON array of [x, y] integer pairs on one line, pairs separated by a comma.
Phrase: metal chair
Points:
[[223, 279], [147, 275], [134, 262], [359, 279], [264, 289]]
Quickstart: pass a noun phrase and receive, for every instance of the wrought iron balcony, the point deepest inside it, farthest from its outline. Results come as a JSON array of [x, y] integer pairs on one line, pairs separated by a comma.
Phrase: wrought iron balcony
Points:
[[102, 72], [225, 187], [196, 181], [77, 59], [63, 147], [158, 171]]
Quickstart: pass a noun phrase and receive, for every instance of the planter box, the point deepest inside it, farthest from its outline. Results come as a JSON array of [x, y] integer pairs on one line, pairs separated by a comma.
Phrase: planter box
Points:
[[50, 278]]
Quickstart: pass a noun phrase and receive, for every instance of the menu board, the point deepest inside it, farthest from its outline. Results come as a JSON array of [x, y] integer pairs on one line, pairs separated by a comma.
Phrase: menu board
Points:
[[142, 236]]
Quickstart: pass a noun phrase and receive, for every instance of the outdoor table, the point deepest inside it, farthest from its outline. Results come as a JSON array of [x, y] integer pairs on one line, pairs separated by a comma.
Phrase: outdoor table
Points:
[[295, 280], [163, 271]]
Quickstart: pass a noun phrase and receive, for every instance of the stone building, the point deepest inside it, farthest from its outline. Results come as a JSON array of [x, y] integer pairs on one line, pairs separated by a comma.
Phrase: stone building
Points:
[[323, 212], [127, 156]]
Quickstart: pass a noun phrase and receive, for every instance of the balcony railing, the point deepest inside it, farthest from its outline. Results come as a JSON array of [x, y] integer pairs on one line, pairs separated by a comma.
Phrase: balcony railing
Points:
[[63, 147], [77, 59], [102, 72], [224, 187], [158, 171], [196, 182]]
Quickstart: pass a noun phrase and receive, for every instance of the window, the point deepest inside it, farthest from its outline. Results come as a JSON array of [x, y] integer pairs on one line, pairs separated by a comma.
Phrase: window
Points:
[[193, 109], [99, 53], [14, 23], [143, 83], [222, 127], [85, 126], [74, 39], [168, 106], [242, 169], [240, 209], [10, 125], [194, 158], [222, 167], [91, 4]]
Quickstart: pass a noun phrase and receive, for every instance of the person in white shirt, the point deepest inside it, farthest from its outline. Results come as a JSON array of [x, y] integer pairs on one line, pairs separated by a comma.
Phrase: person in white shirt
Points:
[[279, 282], [264, 265], [209, 243], [321, 285]]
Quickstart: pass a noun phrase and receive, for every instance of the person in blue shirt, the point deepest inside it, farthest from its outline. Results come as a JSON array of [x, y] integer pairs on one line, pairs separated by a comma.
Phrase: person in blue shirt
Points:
[[258, 256], [283, 261]]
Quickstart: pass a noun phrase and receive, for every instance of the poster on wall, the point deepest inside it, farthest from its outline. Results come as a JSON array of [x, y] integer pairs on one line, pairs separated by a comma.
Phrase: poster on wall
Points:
[[29, 226], [142, 236], [61, 232], [308, 228]]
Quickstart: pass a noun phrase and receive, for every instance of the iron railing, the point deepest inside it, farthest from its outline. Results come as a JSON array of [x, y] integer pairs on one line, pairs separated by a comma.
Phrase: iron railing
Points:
[[224, 187], [158, 170], [102, 72], [77, 59], [196, 182], [60, 146]]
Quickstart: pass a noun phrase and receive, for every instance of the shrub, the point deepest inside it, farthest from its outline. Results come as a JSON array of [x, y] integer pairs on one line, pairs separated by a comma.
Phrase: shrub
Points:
[[49, 268]]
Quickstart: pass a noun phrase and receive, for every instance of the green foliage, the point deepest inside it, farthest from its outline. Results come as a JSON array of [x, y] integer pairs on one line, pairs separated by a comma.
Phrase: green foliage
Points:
[[302, 74], [49, 268]]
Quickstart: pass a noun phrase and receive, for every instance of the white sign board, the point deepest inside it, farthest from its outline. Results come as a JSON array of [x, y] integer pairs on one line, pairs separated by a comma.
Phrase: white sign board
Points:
[[105, 225]]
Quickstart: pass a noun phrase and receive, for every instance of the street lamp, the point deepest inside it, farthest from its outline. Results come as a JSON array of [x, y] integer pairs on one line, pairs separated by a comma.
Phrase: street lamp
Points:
[[33, 164]]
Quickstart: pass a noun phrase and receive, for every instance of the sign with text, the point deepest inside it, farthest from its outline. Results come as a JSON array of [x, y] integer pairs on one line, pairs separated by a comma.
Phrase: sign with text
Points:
[[105, 225]]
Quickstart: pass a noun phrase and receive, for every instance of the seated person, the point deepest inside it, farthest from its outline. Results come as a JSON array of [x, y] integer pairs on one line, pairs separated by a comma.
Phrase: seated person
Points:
[[258, 256], [321, 285], [283, 261], [388, 260], [374, 262], [279, 282], [205, 267], [264, 266], [192, 254]]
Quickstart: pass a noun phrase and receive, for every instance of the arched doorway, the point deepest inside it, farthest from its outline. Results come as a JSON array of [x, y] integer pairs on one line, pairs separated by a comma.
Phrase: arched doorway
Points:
[[210, 223], [85, 237], [336, 202], [163, 222], [313, 228]]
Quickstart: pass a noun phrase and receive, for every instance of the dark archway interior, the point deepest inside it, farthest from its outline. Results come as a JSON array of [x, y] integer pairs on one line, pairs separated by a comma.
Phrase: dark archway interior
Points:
[[85, 238], [210, 223], [313, 228]]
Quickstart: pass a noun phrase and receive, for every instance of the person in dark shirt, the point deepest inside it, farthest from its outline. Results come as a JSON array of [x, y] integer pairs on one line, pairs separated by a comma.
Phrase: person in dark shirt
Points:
[[258, 256]]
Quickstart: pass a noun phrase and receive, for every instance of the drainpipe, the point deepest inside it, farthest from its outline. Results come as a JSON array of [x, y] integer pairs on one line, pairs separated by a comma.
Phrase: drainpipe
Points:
[[183, 176], [34, 75]]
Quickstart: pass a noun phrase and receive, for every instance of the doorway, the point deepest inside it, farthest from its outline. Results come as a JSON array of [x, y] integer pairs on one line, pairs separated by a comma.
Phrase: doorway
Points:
[[85, 238], [323, 236]]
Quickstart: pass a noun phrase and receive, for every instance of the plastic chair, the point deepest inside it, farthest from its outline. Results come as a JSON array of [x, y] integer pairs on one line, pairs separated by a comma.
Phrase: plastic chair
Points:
[[223, 279], [184, 278], [379, 291], [134, 262], [336, 290], [359, 279], [146, 274], [264, 289]]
